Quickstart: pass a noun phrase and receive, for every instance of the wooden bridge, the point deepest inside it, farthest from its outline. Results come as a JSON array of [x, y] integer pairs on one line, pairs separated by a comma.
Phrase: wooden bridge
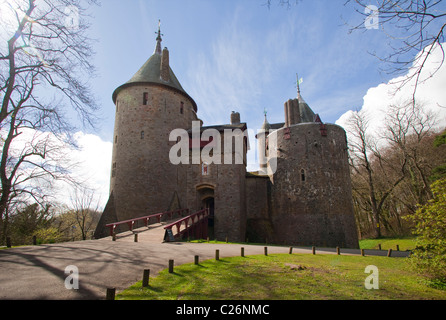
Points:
[[166, 226]]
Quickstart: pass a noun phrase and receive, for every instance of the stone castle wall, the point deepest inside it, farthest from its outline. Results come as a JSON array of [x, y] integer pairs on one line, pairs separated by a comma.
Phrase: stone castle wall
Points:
[[142, 179], [311, 190]]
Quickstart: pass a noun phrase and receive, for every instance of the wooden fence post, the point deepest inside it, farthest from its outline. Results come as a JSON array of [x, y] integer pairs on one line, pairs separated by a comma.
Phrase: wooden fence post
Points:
[[110, 295], [196, 259], [338, 250], [217, 254], [171, 262], [266, 251], [291, 250], [135, 237], [8, 242], [242, 252], [313, 249], [389, 253], [145, 278]]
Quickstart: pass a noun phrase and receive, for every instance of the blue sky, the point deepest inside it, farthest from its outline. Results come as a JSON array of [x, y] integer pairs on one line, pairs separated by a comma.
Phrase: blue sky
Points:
[[240, 55]]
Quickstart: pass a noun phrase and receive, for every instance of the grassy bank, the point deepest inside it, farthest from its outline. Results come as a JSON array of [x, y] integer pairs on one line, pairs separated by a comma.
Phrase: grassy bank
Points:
[[286, 277], [404, 244]]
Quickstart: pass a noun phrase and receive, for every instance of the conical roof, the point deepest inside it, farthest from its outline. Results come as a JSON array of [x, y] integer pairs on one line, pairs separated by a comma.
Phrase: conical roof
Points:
[[306, 114], [266, 126], [150, 73]]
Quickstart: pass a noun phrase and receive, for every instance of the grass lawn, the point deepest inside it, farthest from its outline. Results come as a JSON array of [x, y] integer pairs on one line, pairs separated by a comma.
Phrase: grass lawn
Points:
[[286, 277], [407, 243]]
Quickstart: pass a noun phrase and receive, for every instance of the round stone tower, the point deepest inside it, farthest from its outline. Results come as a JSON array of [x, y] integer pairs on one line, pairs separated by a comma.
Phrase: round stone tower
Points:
[[311, 198], [148, 107]]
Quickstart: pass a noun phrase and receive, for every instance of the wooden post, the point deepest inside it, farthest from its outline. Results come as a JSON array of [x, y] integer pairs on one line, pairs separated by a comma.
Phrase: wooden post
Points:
[[217, 254], [338, 250], [379, 246], [145, 278], [242, 252], [135, 237], [8, 242], [397, 247], [266, 251], [34, 240], [314, 250], [114, 237], [389, 253], [196, 259], [362, 252], [171, 262], [110, 295], [291, 250]]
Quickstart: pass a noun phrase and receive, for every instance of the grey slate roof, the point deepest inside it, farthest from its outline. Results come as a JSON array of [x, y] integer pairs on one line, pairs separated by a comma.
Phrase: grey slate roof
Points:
[[150, 73]]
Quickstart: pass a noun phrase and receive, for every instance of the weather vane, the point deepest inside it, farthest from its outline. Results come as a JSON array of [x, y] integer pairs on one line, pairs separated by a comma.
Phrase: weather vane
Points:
[[159, 30], [298, 82]]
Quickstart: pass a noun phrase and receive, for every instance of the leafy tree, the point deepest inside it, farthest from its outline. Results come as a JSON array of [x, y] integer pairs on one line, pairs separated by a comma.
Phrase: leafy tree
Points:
[[33, 220], [430, 226]]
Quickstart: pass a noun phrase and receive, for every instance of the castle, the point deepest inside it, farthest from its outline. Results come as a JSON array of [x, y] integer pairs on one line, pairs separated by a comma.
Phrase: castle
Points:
[[301, 194]]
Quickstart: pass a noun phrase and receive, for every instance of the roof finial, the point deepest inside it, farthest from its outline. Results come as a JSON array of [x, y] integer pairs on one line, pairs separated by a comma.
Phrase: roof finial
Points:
[[158, 39], [299, 82]]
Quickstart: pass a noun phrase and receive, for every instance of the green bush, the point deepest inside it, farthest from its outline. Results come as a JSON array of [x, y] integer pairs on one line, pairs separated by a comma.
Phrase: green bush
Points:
[[429, 256]]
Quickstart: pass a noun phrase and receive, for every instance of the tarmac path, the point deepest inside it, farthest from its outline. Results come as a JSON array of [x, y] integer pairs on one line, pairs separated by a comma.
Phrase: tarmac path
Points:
[[38, 272]]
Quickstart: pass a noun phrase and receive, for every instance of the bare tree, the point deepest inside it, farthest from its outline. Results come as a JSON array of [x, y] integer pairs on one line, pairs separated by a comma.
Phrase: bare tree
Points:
[[369, 167], [45, 57], [407, 126], [415, 28], [85, 211]]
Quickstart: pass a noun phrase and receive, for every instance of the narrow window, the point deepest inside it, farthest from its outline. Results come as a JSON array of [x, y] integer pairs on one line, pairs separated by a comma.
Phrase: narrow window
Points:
[[182, 107], [204, 169], [302, 175], [114, 170], [142, 135], [145, 99]]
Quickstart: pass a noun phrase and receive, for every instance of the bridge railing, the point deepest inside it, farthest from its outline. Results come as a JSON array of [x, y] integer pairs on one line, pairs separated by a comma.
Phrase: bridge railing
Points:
[[195, 225], [146, 219]]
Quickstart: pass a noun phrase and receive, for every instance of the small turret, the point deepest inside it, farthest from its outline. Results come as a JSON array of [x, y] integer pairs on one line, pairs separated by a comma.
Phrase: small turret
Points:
[[262, 136]]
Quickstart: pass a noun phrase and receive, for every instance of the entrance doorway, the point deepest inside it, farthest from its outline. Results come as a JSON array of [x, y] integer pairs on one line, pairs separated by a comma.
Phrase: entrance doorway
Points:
[[209, 204], [206, 200]]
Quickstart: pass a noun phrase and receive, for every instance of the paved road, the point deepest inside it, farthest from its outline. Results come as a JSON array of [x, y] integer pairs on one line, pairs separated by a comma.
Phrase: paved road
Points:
[[38, 272]]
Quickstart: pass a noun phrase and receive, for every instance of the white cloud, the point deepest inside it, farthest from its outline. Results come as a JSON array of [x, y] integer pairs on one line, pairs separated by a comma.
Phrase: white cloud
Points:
[[94, 163], [430, 92], [88, 164]]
